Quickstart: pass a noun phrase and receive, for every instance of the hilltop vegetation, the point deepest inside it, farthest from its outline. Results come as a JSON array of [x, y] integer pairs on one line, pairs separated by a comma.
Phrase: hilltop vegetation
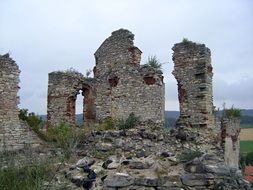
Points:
[[171, 117]]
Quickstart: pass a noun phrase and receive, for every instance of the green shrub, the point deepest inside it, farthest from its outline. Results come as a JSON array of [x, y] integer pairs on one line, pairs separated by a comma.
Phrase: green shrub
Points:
[[189, 155], [66, 137], [242, 161], [121, 124], [231, 112], [185, 41], [107, 124], [60, 132], [131, 122], [23, 114], [153, 62], [249, 158], [26, 176], [34, 121]]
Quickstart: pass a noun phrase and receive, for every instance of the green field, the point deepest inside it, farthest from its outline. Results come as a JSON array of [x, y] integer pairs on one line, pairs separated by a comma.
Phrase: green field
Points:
[[246, 146]]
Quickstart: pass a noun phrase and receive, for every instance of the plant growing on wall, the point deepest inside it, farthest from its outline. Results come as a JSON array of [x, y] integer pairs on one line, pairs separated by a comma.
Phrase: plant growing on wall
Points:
[[131, 122], [34, 121], [231, 112], [185, 40], [189, 155], [153, 62]]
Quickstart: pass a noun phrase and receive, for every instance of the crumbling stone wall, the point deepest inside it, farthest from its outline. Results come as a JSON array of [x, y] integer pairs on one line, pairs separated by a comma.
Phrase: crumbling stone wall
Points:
[[193, 71], [63, 88], [122, 84], [148, 157], [230, 130], [13, 133]]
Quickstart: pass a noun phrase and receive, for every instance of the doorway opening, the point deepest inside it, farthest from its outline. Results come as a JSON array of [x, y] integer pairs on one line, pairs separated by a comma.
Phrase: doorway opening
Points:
[[79, 107]]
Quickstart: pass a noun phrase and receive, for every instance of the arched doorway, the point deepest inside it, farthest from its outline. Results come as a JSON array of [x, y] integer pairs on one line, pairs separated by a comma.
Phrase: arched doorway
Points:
[[84, 102]]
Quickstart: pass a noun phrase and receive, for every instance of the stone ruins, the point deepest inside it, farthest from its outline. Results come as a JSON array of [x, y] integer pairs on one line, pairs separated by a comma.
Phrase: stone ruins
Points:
[[230, 142], [120, 86], [63, 88], [193, 71], [13, 133], [145, 157]]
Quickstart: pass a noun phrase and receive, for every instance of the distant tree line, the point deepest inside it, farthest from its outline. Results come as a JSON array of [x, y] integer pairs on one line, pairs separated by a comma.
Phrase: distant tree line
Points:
[[247, 120], [171, 117]]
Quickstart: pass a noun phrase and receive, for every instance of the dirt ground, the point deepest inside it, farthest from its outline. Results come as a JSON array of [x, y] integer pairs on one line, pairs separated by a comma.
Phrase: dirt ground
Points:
[[246, 134]]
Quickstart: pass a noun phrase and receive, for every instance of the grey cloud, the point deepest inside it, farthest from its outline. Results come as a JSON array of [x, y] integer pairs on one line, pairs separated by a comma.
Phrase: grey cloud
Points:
[[240, 92], [46, 35]]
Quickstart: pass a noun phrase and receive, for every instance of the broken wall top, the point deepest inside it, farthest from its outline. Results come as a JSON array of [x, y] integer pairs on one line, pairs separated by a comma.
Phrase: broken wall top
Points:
[[67, 82], [8, 64], [64, 74], [119, 47], [190, 50]]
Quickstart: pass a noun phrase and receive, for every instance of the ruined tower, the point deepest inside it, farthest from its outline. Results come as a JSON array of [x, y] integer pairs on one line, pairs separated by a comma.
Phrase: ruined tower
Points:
[[193, 72], [123, 85]]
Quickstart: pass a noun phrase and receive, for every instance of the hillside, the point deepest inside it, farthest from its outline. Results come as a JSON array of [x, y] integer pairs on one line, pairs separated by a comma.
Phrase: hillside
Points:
[[248, 112], [171, 116]]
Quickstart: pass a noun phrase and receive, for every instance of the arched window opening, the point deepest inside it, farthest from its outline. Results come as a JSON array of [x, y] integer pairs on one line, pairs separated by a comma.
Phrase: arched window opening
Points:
[[79, 108]]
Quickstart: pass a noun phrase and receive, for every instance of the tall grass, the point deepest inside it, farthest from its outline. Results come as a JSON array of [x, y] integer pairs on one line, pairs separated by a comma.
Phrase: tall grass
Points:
[[153, 62], [24, 177], [189, 155], [130, 122], [17, 173], [66, 137], [119, 124], [27, 170], [231, 112]]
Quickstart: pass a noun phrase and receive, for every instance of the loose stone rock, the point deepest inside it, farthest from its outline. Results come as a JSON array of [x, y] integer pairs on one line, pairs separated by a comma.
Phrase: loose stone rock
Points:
[[118, 180]]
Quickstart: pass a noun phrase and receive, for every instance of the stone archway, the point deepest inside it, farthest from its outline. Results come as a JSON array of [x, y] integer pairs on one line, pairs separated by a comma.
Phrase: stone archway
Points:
[[89, 113], [63, 89]]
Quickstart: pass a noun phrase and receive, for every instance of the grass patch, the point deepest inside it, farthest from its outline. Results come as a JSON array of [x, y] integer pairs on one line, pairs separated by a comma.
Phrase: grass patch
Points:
[[66, 137], [102, 155], [188, 155], [186, 41], [153, 62], [107, 124], [246, 146], [131, 122], [231, 112], [24, 171], [119, 124], [29, 176]]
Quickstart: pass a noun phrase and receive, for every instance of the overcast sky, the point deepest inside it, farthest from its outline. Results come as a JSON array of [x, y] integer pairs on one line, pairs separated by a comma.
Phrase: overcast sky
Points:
[[47, 35]]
